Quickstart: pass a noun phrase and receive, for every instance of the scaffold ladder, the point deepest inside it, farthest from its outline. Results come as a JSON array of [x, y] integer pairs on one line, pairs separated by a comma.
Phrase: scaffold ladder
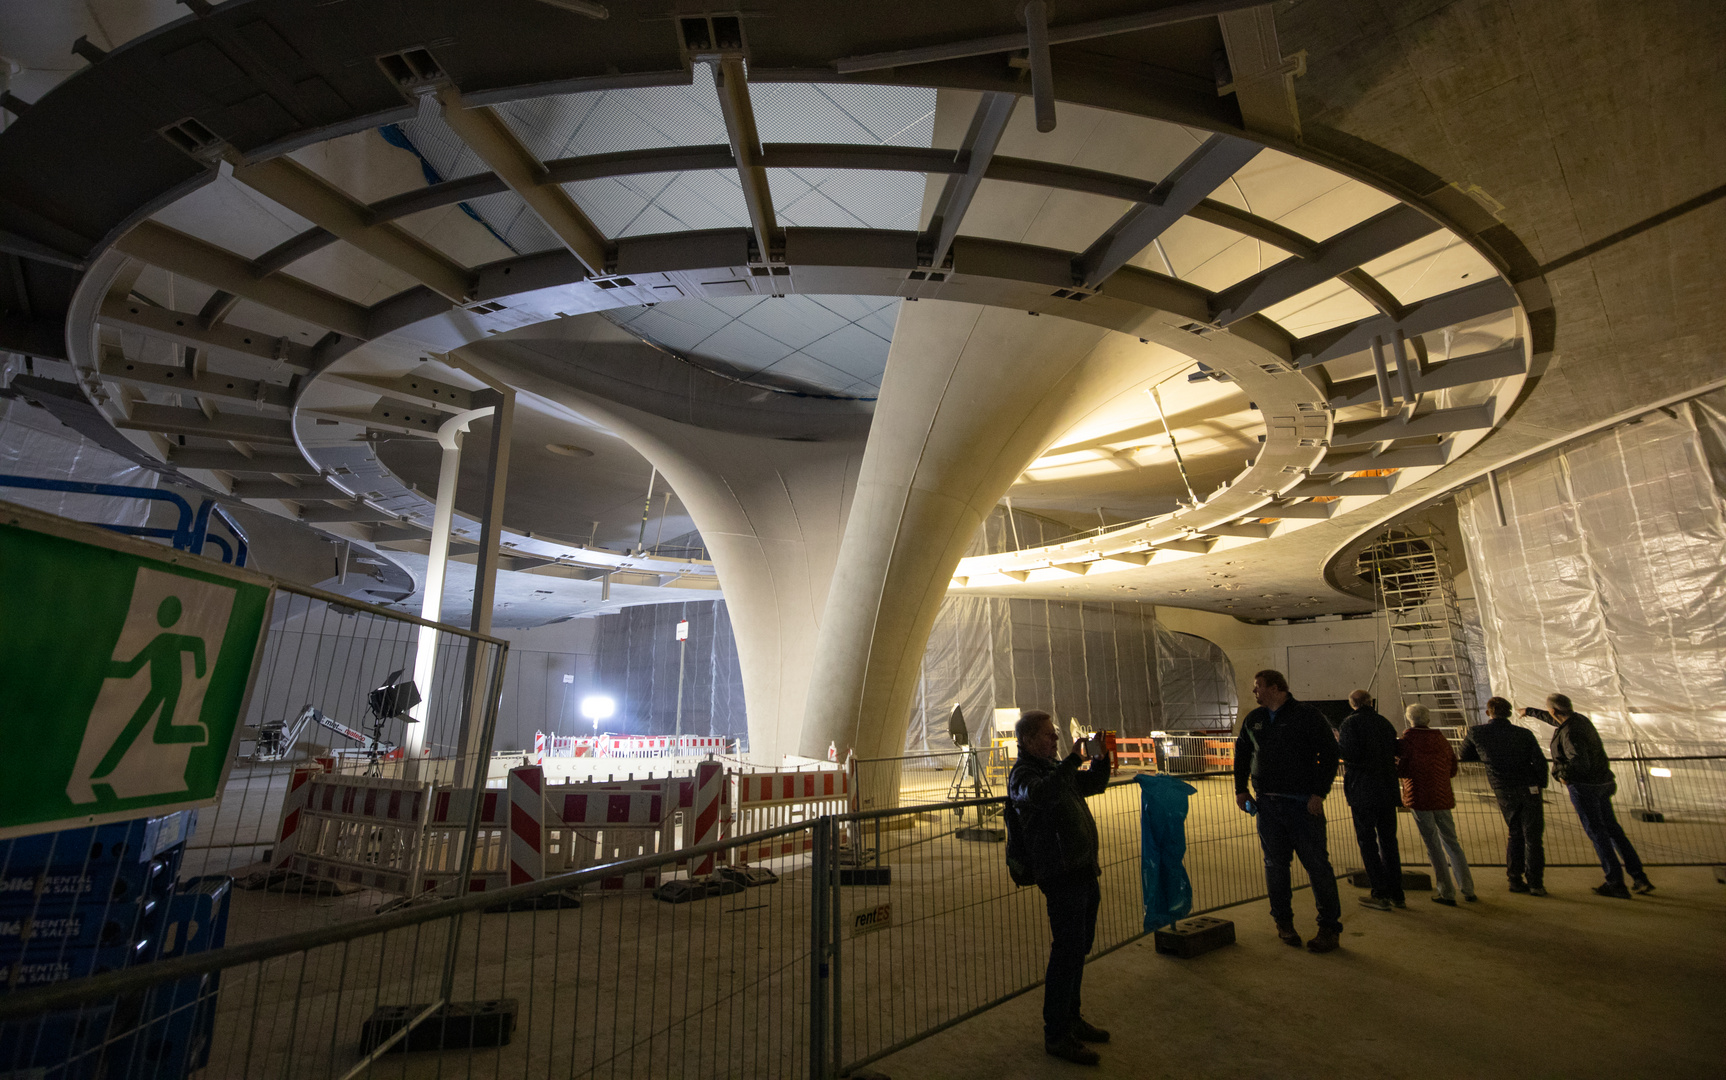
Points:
[[1410, 569]]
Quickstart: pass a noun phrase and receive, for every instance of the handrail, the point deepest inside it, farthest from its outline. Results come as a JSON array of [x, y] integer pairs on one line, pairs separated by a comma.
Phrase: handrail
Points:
[[97, 987]]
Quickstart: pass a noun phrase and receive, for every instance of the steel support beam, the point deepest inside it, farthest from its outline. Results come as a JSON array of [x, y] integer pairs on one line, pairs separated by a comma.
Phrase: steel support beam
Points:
[[1204, 170], [1411, 457], [271, 397], [1378, 235], [1437, 422], [284, 489], [312, 197], [188, 256], [988, 124], [1422, 317], [344, 515], [1446, 375], [1035, 15], [168, 420], [739, 112], [232, 461], [488, 136], [1058, 35], [185, 328]]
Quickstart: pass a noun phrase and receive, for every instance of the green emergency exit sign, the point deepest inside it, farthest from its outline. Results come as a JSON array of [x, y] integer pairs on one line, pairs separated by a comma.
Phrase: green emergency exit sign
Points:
[[123, 676]]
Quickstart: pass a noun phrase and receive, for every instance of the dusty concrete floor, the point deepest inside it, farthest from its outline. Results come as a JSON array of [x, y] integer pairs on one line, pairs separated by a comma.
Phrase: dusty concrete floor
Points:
[[1570, 986]]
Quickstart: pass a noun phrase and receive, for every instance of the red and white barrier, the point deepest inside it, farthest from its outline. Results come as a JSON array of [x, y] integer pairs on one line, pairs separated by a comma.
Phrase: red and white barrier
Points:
[[526, 824], [709, 799], [767, 800], [360, 830], [445, 829], [293, 810], [539, 748]]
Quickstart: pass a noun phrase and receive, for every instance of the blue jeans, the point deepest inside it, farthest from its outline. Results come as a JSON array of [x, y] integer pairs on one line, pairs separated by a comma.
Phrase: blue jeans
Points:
[[1287, 830], [1593, 804], [1073, 903]]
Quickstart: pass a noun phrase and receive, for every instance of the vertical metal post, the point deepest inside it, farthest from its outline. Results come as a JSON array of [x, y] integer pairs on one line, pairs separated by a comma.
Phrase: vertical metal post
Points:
[[835, 944], [819, 898], [1036, 17], [476, 798], [1381, 374], [1404, 369], [485, 570], [682, 648]]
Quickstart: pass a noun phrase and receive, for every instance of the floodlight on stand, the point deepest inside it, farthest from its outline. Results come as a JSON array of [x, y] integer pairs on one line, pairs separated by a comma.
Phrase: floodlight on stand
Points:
[[597, 707], [956, 729], [394, 698]]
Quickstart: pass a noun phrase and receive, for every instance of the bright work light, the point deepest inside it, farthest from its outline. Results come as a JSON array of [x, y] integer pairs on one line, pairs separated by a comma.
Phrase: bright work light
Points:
[[598, 707]]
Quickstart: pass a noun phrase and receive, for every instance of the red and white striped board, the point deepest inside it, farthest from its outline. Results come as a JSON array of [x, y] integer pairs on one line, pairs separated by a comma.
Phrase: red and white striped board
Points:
[[708, 794], [441, 852], [539, 748], [293, 807], [361, 830], [526, 824]]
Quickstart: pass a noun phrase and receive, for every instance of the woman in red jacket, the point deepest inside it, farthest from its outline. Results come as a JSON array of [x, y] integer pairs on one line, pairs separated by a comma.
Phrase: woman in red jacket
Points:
[[1425, 762]]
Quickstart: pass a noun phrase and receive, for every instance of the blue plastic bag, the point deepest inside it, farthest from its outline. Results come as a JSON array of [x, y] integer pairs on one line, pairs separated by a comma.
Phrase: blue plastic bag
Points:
[[1163, 849]]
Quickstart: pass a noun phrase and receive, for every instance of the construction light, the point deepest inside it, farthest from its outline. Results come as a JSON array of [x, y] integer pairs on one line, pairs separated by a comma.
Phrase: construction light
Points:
[[598, 707], [1658, 771]]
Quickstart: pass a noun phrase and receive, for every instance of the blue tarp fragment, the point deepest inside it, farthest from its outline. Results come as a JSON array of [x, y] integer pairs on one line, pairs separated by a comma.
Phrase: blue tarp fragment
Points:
[[1163, 849]]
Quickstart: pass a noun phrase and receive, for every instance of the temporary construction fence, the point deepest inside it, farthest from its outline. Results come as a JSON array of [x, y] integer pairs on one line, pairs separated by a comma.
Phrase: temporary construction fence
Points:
[[856, 951]]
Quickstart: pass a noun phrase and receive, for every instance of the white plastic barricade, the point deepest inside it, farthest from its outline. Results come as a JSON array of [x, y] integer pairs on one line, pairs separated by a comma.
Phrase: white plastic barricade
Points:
[[293, 815], [592, 824], [447, 824], [766, 800], [360, 830], [527, 824]]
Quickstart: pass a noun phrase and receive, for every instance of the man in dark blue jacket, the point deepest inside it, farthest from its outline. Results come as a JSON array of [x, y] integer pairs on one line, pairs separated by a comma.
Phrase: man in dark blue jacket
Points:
[[1060, 843], [1287, 750], [1368, 743], [1516, 769]]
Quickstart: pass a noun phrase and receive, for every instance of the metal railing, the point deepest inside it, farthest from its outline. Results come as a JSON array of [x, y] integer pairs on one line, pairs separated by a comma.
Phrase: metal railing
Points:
[[887, 926]]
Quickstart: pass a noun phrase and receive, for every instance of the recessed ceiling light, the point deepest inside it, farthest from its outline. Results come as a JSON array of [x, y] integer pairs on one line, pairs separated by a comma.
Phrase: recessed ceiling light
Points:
[[568, 450]]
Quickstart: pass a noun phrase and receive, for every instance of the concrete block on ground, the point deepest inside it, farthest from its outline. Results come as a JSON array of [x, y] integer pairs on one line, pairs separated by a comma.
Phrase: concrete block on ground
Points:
[[1195, 936]]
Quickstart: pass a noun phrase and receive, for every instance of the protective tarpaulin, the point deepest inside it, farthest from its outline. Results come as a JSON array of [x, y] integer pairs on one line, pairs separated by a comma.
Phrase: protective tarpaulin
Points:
[[1106, 665], [1605, 583], [34, 444], [1168, 891], [639, 663]]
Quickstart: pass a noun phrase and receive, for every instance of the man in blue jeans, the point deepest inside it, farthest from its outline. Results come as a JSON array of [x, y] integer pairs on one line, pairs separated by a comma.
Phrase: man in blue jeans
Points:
[[1288, 752], [1579, 762]]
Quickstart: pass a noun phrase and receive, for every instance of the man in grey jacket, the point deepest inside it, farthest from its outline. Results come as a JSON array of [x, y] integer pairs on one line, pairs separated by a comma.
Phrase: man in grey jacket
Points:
[[1579, 763], [1059, 840]]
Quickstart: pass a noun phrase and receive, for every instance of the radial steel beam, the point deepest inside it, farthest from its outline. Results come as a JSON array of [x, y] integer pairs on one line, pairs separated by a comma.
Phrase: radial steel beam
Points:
[[312, 197], [739, 112], [1421, 317], [1058, 35], [169, 420], [188, 256], [185, 328], [988, 124], [263, 463], [293, 249], [115, 367], [1437, 422], [1204, 170], [1372, 238], [1445, 375], [284, 489], [1035, 15], [1412, 457], [488, 136]]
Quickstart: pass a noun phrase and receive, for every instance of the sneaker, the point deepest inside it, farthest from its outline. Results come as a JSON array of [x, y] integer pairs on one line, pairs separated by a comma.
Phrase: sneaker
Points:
[[1085, 1031], [1517, 886], [1375, 903], [1403, 904], [1470, 897], [1642, 885], [1445, 900], [1536, 890], [1071, 1049], [1616, 890], [1326, 941], [1286, 931]]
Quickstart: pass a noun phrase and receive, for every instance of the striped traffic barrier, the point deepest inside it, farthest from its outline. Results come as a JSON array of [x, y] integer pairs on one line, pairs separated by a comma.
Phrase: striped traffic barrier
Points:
[[526, 824], [445, 830], [709, 793], [767, 800], [293, 809], [361, 830], [539, 748]]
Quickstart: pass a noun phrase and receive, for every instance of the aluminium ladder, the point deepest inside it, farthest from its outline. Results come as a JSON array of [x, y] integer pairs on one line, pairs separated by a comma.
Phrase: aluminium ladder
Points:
[[1411, 572]]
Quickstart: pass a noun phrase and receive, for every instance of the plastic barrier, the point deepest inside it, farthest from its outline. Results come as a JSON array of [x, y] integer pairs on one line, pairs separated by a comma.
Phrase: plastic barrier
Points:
[[624, 746], [441, 848], [768, 799], [293, 806], [361, 830], [1137, 754], [526, 824]]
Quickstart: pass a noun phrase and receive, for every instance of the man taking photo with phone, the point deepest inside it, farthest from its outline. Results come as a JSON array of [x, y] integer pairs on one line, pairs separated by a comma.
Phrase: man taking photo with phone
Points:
[[1060, 842]]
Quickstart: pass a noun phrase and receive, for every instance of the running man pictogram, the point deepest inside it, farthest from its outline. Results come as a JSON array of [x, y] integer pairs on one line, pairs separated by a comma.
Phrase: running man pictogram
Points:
[[163, 656]]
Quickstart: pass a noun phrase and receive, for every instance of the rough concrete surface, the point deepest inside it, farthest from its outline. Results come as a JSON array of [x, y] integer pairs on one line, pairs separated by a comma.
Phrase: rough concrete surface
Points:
[[1570, 986]]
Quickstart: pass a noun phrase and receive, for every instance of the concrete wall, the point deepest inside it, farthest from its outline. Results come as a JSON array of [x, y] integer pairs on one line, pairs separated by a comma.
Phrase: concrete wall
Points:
[[535, 695]]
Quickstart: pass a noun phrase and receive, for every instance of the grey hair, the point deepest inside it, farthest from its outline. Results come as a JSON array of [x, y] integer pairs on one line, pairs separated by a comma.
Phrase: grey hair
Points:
[[1418, 716]]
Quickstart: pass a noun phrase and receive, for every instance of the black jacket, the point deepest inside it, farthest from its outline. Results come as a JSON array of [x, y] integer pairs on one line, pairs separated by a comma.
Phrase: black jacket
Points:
[[1055, 825], [1511, 753], [1294, 755], [1577, 754], [1368, 744]]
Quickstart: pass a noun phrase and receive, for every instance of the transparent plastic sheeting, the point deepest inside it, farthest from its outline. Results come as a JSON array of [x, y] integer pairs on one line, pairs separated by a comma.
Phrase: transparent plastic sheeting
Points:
[[1605, 583], [34, 444], [1107, 665]]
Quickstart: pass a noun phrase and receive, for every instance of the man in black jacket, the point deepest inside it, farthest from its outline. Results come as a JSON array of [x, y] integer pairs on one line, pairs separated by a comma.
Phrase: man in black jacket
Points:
[[1060, 842], [1579, 763], [1516, 769], [1368, 743], [1288, 751]]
